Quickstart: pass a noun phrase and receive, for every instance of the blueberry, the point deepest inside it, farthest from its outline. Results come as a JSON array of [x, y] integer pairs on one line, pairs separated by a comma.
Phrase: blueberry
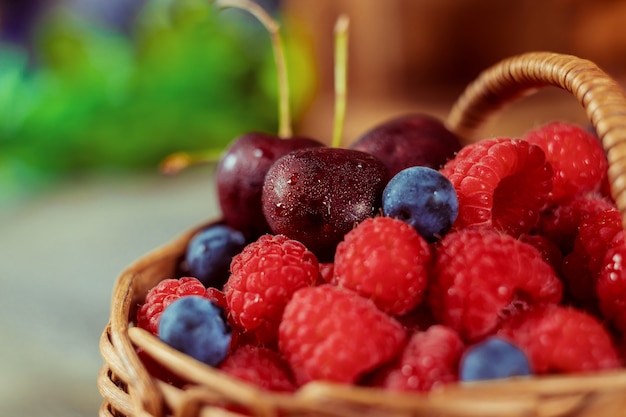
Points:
[[493, 358], [196, 327], [210, 252], [424, 198]]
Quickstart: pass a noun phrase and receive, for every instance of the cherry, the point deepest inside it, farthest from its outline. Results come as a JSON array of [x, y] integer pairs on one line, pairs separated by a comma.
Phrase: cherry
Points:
[[241, 170], [241, 173], [317, 195], [410, 140]]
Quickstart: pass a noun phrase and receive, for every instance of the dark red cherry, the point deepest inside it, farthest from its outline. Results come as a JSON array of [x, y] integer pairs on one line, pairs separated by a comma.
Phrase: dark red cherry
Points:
[[241, 173], [410, 140], [317, 195]]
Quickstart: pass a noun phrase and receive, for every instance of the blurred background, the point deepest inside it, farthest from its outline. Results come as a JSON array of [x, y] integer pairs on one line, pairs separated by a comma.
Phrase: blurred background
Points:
[[94, 94]]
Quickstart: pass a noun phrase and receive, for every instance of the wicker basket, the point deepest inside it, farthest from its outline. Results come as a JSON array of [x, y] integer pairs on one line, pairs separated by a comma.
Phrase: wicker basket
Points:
[[129, 390]]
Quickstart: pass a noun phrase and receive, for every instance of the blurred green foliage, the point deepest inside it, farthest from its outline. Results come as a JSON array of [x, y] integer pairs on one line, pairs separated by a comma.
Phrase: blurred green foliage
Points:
[[189, 78]]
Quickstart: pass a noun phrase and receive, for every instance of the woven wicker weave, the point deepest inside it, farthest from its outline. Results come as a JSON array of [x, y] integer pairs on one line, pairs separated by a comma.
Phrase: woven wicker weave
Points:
[[129, 390]]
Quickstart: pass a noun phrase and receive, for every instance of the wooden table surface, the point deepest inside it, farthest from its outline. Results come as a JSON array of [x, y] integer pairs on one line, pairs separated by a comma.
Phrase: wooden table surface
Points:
[[59, 257]]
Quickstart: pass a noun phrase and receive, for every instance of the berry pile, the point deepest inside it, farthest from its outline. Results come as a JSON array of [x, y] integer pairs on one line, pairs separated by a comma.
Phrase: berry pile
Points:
[[504, 260], [402, 262]]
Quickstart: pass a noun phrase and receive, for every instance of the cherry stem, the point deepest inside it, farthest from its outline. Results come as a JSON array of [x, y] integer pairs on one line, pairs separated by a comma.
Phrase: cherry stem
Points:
[[178, 161], [341, 69], [284, 116]]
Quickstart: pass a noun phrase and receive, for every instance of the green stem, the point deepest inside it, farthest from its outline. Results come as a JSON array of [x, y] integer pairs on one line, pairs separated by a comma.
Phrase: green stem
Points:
[[341, 69], [284, 114]]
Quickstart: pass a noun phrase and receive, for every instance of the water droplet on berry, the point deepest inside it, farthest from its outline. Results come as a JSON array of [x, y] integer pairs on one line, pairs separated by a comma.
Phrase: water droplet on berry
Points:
[[280, 210], [293, 180], [617, 260]]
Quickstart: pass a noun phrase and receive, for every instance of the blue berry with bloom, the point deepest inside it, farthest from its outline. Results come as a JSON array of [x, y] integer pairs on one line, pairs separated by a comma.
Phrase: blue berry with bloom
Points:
[[493, 358], [210, 252], [197, 327], [424, 198]]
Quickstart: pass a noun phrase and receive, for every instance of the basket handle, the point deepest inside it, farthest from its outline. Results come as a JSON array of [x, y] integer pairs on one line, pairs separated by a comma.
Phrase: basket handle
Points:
[[600, 95]]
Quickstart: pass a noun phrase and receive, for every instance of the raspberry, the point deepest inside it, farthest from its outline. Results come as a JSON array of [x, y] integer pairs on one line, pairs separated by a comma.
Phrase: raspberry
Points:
[[386, 260], [420, 318], [577, 158], [217, 297], [562, 340], [581, 267], [611, 284], [579, 282], [501, 183], [164, 294], [263, 278], [327, 270], [481, 275], [260, 366], [550, 252], [560, 223], [430, 359], [596, 233], [332, 333]]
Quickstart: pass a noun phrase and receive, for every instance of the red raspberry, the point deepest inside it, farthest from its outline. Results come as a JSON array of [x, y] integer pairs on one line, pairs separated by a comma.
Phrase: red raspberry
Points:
[[430, 359], [263, 278], [580, 282], [577, 158], [560, 223], [332, 333], [482, 275], [596, 233], [217, 297], [164, 294], [502, 183], [581, 267], [327, 270], [550, 252], [260, 366], [420, 318], [611, 284], [561, 339], [386, 260]]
